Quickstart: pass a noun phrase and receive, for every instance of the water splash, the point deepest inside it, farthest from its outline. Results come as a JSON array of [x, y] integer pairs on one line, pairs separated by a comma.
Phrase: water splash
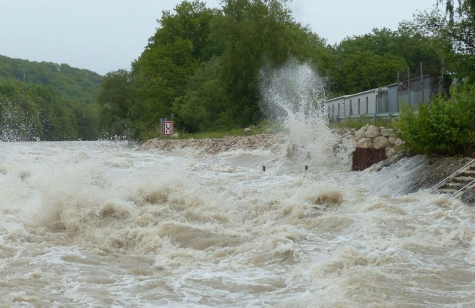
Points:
[[16, 124], [294, 94]]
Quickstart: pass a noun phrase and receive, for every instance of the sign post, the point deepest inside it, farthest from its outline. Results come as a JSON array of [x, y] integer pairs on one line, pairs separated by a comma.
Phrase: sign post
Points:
[[167, 128]]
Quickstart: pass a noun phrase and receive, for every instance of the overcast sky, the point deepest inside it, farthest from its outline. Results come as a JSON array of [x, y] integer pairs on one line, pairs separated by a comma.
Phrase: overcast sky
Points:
[[107, 35]]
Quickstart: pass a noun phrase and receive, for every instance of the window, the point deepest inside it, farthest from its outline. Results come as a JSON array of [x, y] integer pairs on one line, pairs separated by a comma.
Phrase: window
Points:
[[359, 111], [366, 105]]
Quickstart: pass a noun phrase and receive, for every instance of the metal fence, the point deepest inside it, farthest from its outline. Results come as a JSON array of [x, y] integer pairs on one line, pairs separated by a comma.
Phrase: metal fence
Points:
[[374, 117]]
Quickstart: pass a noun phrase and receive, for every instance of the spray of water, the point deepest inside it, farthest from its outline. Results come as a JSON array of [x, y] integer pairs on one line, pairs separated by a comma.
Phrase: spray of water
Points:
[[294, 94], [16, 124]]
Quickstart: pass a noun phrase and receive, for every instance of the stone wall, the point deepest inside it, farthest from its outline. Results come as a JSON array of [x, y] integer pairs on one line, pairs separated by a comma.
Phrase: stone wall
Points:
[[373, 144], [373, 137]]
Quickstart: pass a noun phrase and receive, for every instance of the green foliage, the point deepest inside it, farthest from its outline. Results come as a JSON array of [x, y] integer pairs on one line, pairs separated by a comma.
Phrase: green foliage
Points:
[[72, 83], [116, 102], [357, 123], [17, 123], [47, 101], [373, 60], [203, 65], [453, 28], [37, 112], [254, 33], [445, 126], [203, 107], [365, 70], [160, 75]]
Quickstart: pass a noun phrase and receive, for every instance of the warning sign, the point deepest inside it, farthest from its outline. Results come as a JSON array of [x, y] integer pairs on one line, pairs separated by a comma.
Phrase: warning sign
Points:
[[167, 128]]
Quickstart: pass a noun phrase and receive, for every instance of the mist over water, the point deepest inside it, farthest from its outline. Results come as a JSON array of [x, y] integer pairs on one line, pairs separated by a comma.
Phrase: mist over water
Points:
[[101, 224]]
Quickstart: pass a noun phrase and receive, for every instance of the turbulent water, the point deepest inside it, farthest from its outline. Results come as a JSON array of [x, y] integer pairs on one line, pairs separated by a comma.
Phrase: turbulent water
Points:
[[100, 224]]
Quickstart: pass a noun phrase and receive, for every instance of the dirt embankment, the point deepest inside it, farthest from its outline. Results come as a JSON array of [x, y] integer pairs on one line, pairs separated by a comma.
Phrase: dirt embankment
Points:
[[436, 168], [272, 142]]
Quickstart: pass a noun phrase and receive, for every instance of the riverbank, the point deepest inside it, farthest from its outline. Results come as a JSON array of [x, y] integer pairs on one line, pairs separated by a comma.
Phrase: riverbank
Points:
[[426, 170], [271, 142]]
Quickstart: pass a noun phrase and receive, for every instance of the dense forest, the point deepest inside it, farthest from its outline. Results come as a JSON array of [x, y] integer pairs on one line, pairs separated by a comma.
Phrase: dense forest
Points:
[[72, 83], [47, 101], [203, 65]]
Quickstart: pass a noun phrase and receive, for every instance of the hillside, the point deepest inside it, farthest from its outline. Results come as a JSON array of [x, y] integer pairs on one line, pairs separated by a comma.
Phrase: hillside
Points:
[[72, 83]]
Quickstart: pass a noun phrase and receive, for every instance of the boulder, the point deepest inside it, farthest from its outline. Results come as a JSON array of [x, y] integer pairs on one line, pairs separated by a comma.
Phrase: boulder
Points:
[[398, 142], [380, 142], [360, 133], [372, 131], [390, 151], [365, 143], [351, 140], [386, 132]]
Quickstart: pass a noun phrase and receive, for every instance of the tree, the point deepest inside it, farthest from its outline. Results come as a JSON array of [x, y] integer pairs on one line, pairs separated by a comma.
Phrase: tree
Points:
[[364, 70], [454, 27], [71, 83], [204, 106], [116, 102], [252, 33], [37, 112], [161, 73], [374, 59]]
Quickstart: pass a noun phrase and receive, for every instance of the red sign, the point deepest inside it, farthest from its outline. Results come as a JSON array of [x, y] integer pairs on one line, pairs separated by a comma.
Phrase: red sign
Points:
[[167, 128]]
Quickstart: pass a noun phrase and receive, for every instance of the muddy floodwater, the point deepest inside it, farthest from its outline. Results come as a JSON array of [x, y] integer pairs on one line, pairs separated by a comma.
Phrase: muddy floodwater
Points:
[[99, 224]]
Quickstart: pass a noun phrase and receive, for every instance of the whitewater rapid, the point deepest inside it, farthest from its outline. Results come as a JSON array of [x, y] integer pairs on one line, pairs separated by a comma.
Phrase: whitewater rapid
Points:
[[100, 224]]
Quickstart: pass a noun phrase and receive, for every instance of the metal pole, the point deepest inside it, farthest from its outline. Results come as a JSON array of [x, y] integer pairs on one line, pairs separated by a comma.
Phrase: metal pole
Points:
[[422, 86], [408, 87], [398, 90], [441, 80], [161, 127]]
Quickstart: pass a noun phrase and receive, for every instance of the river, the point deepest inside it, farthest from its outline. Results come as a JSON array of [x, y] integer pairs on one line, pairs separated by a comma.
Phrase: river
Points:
[[100, 224]]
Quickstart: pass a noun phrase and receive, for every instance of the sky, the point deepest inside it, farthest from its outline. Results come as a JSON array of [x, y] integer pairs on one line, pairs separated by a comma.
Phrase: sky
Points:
[[107, 35]]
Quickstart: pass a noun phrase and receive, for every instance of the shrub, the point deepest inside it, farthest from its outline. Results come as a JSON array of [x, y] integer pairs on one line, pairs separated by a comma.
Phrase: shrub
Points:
[[444, 126]]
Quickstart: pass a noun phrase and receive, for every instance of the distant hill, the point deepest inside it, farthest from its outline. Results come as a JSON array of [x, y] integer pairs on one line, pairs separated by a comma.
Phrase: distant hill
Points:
[[72, 83]]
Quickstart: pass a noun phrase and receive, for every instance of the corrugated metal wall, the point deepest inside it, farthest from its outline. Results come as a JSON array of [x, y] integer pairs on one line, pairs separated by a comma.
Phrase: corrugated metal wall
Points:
[[382, 100]]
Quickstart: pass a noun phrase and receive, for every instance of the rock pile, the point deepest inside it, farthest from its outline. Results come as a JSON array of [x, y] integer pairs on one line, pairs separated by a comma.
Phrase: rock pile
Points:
[[272, 142], [373, 137], [369, 137]]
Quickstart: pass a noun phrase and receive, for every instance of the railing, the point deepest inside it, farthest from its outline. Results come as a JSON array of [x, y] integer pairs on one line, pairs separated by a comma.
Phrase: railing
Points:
[[371, 116], [452, 175]]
